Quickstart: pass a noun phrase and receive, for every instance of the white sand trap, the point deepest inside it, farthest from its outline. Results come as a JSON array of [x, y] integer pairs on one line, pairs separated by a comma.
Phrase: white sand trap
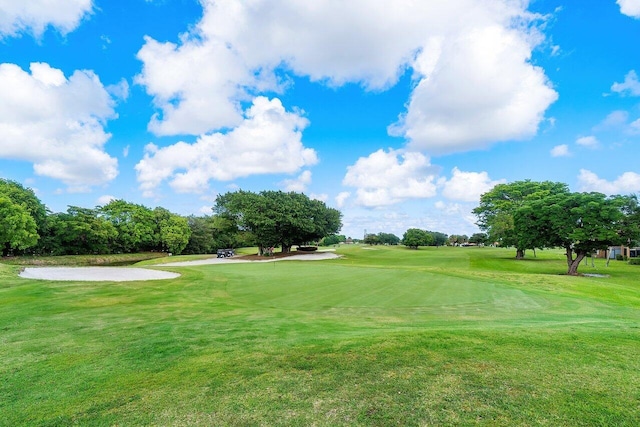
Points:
[[313, 256], [96, 274]]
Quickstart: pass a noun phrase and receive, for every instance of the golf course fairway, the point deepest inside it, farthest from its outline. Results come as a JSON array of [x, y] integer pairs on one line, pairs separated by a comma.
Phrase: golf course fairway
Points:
[[381, 336]]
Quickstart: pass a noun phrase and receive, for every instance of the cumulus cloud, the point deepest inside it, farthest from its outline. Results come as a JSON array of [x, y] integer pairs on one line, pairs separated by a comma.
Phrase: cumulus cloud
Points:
[[588, 142], [629, 7], [481, 89], [475, 83], [106, 199], [619, 120], [323, 197], [268, 141], [628, 182], [630, 86], [341, 198], [614, 119], [298, 184], [560, 151], [35, 16], [385, 178], [57, 123], [467, 186]]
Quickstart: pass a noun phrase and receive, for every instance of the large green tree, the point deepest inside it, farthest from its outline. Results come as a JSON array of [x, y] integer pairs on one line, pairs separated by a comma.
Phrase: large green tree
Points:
[[79, 231], [174, 231], [578, 222], [30, 205], [388, 239], [137, 226], [498, 206], [26, 198], [415, 237], [18, 229], [439, 239], [277, 218]]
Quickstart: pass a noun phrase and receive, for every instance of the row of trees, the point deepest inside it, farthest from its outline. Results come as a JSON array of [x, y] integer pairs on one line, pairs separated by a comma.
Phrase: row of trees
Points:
[[242, 218], [117, 227], [538, 215]]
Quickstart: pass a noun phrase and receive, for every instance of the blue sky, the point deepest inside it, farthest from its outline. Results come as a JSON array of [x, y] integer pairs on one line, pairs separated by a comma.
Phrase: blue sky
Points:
[[398, 113]]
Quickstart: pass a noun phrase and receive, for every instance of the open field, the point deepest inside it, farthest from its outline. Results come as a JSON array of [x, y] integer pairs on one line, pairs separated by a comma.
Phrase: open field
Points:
[[382, 336]]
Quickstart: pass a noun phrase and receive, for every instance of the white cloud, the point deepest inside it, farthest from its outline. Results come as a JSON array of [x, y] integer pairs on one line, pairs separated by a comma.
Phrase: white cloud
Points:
[[481, 89], [341, 198], [630, 86], [628, 182], [619, 121], [560, 151], [385, 178], [459, 214], [35, 16], [323, 197], [613, 120], [105, 200], [197, 86], [57, 124], [120, 90], [588, 142], [471, 58], [467, 186], [268, 141], [630, 7], [298, 184]]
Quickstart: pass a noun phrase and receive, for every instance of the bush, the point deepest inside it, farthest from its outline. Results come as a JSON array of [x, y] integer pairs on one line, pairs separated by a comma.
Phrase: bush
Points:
[[307, 248], [619, 257], [634, 261]]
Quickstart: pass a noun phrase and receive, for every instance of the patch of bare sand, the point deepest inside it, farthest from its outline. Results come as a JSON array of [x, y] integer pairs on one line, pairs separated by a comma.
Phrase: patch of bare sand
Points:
[[96, 274]]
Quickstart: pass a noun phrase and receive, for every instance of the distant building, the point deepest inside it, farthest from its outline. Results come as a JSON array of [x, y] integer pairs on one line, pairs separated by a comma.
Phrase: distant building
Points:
[[614, 251]]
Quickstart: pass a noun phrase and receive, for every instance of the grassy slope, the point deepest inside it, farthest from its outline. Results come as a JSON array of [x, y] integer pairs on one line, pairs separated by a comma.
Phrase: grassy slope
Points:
[[381, 337]]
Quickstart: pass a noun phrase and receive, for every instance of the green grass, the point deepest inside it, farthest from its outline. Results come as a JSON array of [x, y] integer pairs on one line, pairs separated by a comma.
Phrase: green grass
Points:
[[391, 336]]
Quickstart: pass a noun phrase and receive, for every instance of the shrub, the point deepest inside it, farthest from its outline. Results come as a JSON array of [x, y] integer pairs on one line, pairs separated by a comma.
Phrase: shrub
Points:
[[634, 261], [619, 257], [307, 248]]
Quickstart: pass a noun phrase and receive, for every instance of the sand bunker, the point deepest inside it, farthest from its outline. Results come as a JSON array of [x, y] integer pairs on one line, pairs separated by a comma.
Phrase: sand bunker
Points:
[[126, 274], [96, 274]]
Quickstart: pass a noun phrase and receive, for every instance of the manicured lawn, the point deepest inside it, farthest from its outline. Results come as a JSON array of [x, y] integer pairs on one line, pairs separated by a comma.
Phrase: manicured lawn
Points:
[[389, 336]]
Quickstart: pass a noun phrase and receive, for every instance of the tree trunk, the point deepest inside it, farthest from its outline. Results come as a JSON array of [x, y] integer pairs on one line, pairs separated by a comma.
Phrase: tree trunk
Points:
[[519, 253], [260, 250], [574, 263], [286, 248]]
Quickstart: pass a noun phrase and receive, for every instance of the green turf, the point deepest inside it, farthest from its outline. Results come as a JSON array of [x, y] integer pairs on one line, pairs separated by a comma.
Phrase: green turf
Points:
[[390, 336]]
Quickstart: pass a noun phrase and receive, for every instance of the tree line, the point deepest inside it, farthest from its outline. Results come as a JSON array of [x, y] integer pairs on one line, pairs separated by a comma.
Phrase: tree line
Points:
[[28, 227], [238, 219], [538, 215]]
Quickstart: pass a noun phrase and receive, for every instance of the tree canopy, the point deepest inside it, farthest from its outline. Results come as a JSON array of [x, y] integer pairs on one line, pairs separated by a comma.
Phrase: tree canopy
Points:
[[581, 223], [415, 237], [276, 218], [498, 206], [530, 215], [18, 230]]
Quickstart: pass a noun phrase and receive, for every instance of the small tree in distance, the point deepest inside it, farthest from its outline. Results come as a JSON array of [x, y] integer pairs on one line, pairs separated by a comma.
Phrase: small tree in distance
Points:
[[415, 237]]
